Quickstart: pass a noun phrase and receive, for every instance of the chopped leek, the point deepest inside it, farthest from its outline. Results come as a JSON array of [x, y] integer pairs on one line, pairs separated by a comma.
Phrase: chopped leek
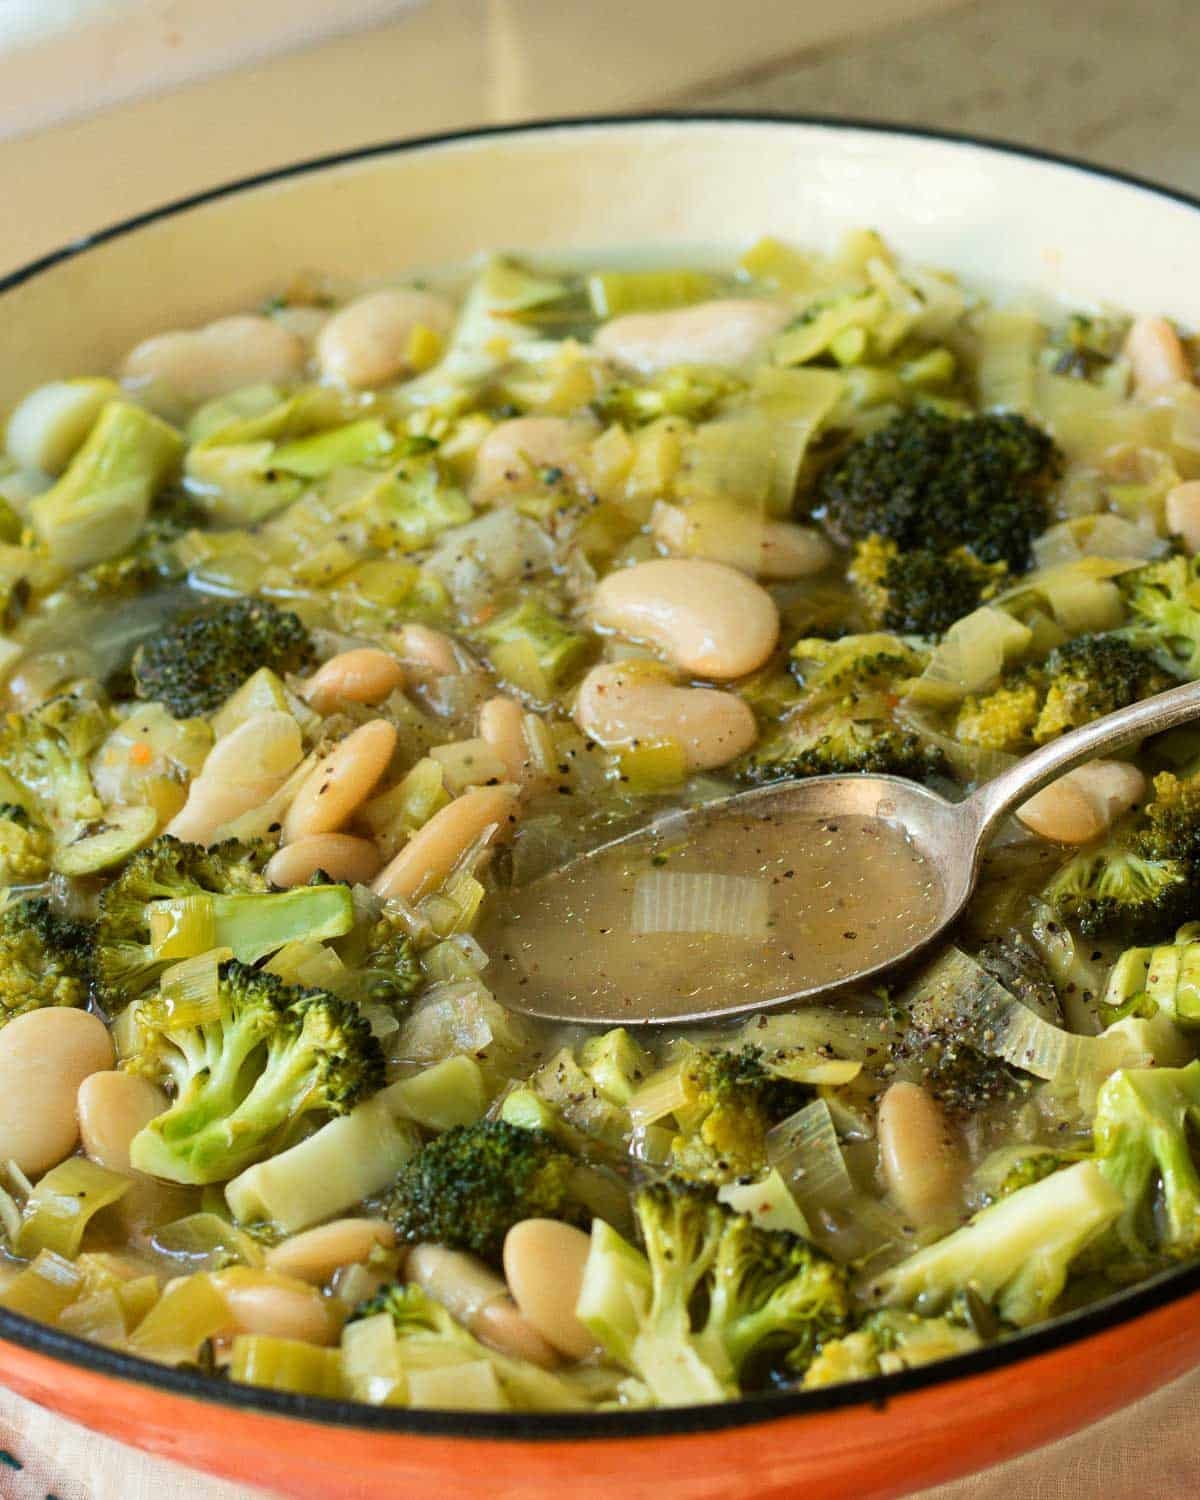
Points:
[[43, 1289], [63, 1203], [286, 1365], [46, 428], [672, 901], [189, 1311], [615, 292], [805, 1151]]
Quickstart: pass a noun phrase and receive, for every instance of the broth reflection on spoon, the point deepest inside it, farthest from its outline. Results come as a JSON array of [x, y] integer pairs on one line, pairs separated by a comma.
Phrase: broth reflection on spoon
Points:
[[770, 896]]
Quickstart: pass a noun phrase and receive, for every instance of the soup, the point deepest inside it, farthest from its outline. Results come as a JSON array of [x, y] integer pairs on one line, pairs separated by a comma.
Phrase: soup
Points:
[[331, 627]]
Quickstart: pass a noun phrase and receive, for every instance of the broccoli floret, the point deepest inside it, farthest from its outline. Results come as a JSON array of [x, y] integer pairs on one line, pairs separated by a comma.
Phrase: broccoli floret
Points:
[[263, 1056], [44, 761], [887, 1342], [1139, 883], [1035, 1166], [1003, 719], [193, 665], [174, 899], [390, 970], [921, 592], [1165, 617], [468, 1187], [716, 1305], [1095, 675], [45, 959], [929, 481], [1145, 1118], [844, 749], [25, 847], [1015, 1255], [723, 1101]]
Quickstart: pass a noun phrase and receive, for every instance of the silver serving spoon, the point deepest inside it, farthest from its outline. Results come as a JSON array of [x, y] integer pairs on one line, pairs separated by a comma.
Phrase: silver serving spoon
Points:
[[770, 896]]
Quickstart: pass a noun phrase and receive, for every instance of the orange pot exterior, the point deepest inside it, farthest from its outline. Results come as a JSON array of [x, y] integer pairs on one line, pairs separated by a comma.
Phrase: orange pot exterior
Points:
[[863, 1451]]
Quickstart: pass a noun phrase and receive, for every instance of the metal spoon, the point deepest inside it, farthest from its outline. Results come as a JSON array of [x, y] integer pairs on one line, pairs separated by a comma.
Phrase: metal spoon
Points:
[[821, 883]]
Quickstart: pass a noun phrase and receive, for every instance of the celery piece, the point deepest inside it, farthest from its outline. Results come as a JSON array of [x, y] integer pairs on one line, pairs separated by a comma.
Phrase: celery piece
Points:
[[472, 1385], [97, 1316], [409, 509], [407, 806], [207, 1242], [286, 1365], [345, 1161], [65, 1199], [123, 830], [824, 321], [236, 483], [251, 925], [651, 766], [615, 1063], [386, 581], [363, 442], [467, 763], [247, 415], [47, 427], [188, 1312], [450, 1093], [100, 504], [612, 293], [371, 1365], [769, 1203], [933, 368], [614, 1298], [533, 648]]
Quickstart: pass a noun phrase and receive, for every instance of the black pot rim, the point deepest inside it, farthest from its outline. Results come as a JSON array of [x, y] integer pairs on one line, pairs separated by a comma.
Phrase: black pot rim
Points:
[[1124, 1307]]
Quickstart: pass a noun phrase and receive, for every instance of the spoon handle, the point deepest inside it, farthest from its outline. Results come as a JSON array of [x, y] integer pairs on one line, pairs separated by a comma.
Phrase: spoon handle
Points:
[[984, 808]]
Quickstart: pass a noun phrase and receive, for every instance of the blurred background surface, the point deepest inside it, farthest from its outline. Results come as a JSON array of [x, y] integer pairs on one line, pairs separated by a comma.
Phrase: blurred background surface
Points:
[[108, 107]]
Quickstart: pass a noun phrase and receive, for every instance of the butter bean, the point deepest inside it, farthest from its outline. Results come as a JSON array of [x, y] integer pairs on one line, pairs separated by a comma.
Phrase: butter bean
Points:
[[434, 850], [112, 1107], [728, 332], [279, 1306], [785, 550], [543, 1264], [430, 652], [1084, 803], [478, 1299], [241, 772], [44, 1057], [342, 856], [367, 342], [1156, 354], [502, 727], [620, 704], [315, 1254], [342, 782], [513, 454], [920, 1155], [707, 618], [364, 675], [194, 365]]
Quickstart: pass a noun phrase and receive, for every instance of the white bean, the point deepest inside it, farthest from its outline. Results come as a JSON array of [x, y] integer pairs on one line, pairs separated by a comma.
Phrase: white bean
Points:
[[434, 850], [785, 550], [190, 366], [1084, 803], [112, 1107], [1156, 354], [708, 618], [502, 727], [620, 705], [342, 856], [728, 333], [430, 652], [241, 771], [315, 1254], [478, 1299], [281, 1307], [367, 342], [1183, 514], [44, 1056], [364, 675], [919, 1154], [543, 1264], [511, 456], [338, 785]]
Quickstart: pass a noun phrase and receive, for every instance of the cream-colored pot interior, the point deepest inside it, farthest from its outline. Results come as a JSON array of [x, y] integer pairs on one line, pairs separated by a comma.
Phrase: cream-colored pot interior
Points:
[[997, 217]]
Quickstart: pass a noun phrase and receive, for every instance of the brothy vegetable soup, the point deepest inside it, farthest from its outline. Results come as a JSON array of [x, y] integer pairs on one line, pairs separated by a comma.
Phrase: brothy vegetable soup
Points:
[[331, 626]]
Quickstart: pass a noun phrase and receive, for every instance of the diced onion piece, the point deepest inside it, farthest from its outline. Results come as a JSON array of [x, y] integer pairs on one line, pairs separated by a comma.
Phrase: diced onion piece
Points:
[[805, 1151], [970, 656], [63, 1202], [371, 1366], [671, 901]]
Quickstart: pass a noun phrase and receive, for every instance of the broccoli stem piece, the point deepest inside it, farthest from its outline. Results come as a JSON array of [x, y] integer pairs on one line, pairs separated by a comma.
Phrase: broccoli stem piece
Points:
[[251, 926], [100, 504], [1015, 1254]]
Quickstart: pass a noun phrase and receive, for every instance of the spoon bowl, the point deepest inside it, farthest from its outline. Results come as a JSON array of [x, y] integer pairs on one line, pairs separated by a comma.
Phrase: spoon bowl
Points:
[[770, 897]]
